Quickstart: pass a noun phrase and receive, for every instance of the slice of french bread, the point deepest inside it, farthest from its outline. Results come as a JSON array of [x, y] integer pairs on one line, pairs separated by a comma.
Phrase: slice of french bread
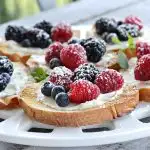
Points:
[[110, 110]]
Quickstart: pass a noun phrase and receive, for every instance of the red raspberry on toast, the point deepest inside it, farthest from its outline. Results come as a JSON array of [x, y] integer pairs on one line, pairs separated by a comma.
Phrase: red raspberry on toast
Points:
[[142, 69], [73, 55], [82, 91], [53, 51], [61, 32], [134, 20], [109, 80], [61, 76], [142, 48]]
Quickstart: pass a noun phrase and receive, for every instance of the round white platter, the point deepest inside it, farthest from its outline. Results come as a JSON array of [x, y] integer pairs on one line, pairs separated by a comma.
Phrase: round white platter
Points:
[[15, 127]]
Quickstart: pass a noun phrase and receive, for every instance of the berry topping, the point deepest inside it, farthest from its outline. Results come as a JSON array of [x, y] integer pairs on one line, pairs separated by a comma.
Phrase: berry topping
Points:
[[73, 55], [62, 99], [47, 88], [26, 43], [122, 34], [61, 76], [61, 32], [44, 25], [38, 38], [86, 71], [109, 38], [101, 25], [15, 33], [53, 51], [56, 90], [112, 25], [82, 91], [132, 29], [54, 62], [95, 49], [109, 81], [142, 69], [142, 48], [134, 20], [6, 65], [74, 41], [4, 80]]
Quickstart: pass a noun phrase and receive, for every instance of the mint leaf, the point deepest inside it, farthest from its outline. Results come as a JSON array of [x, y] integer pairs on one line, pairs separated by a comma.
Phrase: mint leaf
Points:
[[115, 40], [131, 43], [123, 60], [39, 74]]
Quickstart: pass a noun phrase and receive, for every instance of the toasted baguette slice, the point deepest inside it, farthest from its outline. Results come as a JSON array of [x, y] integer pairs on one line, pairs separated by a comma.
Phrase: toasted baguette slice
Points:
[[124, 103]]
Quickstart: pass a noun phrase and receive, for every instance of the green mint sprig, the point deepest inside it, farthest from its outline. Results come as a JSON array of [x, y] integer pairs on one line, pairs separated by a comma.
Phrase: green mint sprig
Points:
[[122, 58], [39, 74]]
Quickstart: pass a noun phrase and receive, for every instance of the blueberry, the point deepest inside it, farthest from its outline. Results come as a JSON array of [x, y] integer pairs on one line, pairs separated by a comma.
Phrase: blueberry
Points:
[[62, 99], [74, 41], [4, 80], [54, 62], [47, 88], [26, 43], [56, 90]]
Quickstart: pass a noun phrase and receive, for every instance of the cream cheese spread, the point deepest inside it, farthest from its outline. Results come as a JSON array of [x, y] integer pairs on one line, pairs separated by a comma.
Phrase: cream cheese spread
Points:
[[17, 81]]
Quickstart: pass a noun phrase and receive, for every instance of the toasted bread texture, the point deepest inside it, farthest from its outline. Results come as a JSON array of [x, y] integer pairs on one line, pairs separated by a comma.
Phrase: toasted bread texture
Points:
[[110, 110]]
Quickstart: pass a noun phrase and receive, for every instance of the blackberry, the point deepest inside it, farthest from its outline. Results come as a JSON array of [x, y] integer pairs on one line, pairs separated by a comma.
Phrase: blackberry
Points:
[[111, 26], [4, 80], [109, 38], [120, 23], [26, 43], [101, 25], [44, 25], [74, 41], [62, 99], [104, 35], [95, 49], [38, 38], [132, 29], [16, 33], [122, 34], [54, 62], [86, 71], [6, 65]]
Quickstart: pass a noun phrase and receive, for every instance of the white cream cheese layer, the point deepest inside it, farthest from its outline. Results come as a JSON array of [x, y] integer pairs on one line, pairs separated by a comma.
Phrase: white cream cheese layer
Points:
[[18, 80], [128, 75], [101, 99]]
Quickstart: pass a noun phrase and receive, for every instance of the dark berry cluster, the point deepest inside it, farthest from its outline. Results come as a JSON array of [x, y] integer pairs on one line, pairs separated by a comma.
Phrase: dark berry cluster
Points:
[[6, 71], [86, 71], [110, 28], [41, 35], [95, 49], [57, 92]]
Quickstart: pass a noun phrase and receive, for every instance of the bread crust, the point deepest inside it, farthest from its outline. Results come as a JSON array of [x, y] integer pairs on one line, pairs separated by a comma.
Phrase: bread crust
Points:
[[108, 111]]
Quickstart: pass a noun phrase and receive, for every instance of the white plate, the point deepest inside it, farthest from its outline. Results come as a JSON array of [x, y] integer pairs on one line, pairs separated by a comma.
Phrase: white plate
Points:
[[14, 129]]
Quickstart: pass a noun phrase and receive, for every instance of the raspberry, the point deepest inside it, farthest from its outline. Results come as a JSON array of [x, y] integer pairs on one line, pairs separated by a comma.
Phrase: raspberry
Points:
[[142, 69], [109, 80], [134, 20], [142, 48], [82, 91], [61, 32], [73, 55], [61, 76], [53, 51]]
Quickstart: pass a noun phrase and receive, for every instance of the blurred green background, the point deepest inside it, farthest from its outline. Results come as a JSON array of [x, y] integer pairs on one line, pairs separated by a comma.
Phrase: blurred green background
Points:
[[15, 9]]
